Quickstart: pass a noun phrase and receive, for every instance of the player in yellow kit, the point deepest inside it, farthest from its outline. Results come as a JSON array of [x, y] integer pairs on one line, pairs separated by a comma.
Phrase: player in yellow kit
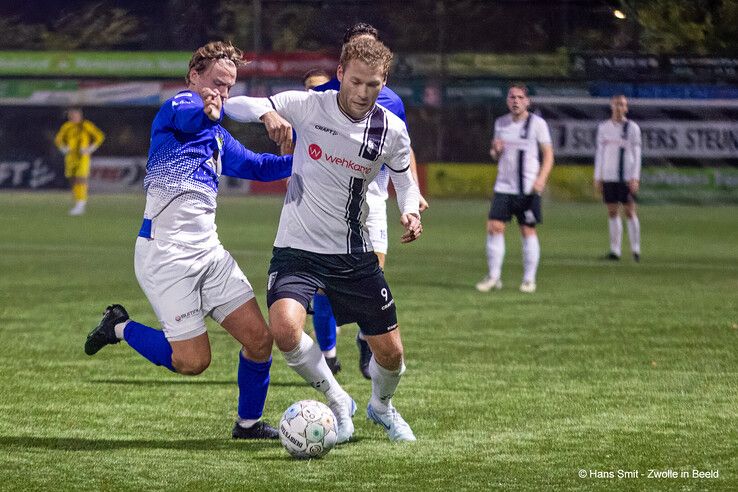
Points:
[[77, 139]]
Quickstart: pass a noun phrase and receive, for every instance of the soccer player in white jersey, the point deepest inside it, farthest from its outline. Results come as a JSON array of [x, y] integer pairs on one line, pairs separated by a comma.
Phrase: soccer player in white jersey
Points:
[[180, 263], [324, 323], [322, 242], [617, 175], [518, 138]]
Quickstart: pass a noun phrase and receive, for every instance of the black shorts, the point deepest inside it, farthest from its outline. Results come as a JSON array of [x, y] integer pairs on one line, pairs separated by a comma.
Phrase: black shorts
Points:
[[617, 192], [354, 284], [525, 208]]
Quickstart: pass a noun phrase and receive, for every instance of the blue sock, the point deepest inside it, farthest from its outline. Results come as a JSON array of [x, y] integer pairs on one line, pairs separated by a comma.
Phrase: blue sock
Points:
[[150, 343], [253, 384], [323, 322]]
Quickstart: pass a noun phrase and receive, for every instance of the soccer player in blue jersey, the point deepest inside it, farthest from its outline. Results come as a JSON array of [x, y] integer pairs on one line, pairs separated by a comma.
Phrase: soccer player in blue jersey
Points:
[[324, 323], [180, 263]]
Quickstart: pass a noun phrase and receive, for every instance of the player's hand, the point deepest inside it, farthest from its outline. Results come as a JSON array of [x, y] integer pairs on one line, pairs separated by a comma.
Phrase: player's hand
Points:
[[498, 145], [287, 147], [423, 204], [634, 185], [64, 149], [538, 186], [413, 227], [86, 150], [213, 103], [279, 129], [598, 186]]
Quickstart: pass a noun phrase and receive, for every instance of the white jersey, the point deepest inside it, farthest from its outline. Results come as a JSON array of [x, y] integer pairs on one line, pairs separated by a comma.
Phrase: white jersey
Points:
[[618, 156], [519, 163], [335, 160]]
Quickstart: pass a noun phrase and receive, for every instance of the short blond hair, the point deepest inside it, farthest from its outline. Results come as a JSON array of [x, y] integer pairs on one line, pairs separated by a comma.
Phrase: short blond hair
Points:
[[370, 51], [214, 50]]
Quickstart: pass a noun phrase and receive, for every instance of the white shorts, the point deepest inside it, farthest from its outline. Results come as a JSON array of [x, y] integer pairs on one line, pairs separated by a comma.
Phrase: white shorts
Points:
[[185, 284], [376, 222]]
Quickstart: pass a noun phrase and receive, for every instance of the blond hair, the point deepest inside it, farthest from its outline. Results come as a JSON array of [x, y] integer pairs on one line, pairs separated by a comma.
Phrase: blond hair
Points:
[[214, 50], [370, 51]]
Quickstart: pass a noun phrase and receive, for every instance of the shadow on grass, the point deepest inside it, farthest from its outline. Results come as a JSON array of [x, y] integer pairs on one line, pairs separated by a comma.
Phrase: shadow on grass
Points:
[[82, 444], [186, 381]]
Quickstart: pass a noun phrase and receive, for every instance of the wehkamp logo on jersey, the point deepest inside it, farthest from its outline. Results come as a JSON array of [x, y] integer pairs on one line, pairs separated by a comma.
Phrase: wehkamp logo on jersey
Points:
[[315, 151]]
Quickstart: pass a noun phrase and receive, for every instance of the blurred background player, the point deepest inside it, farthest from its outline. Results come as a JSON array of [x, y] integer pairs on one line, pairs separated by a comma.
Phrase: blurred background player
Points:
[[314, 78], [519, 136], [617, 175], [324, 322], [77, 139], [344, 139], [180, 263]]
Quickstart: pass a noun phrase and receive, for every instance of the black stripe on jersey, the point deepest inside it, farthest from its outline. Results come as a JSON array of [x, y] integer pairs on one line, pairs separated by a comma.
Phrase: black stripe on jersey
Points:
[[375, 133], [355, 242], [398, 170], [272, 103], [621, 157]]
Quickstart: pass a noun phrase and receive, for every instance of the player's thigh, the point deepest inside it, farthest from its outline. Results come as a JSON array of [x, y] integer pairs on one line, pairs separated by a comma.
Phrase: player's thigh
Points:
[[191, 356], [364, 297], [527, 210], [169, 276], [82, 171], [500, 212], [246, 324], [387, 349]]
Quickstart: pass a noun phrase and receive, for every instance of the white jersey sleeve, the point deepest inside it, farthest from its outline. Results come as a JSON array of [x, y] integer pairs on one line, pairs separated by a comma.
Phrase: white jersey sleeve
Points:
[[599, 157], [408, 194], [635, 140], [542, 133], [291, 105]]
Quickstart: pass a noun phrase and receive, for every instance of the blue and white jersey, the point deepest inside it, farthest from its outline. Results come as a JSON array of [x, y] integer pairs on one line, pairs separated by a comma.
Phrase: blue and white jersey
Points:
[[387, 99], [188, 154]]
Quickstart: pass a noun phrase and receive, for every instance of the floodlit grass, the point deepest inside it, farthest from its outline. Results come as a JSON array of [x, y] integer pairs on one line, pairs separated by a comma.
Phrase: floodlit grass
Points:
[[608, 367]]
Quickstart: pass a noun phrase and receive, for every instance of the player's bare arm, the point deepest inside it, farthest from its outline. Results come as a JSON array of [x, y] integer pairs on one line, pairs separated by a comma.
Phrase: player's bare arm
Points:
[[496, 148], [546, 165], [423, 203], [278, 129]]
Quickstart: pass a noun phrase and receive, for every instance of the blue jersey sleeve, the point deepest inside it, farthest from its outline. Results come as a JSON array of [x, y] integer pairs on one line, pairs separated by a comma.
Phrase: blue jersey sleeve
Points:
[[240, 162], [188, 115], [332, 84]]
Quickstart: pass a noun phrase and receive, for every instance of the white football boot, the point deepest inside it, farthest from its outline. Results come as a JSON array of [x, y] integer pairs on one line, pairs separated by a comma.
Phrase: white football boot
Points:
[[528, 287], [397, 429], [344, 407], [488, 283], [78, 209]]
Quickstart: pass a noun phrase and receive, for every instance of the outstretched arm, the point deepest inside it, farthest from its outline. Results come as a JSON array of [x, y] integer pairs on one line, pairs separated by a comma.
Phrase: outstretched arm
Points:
[[240, 162], [408, 199]]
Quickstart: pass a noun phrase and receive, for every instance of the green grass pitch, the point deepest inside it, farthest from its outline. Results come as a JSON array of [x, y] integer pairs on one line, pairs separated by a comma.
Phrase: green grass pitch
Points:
[[608, 368]]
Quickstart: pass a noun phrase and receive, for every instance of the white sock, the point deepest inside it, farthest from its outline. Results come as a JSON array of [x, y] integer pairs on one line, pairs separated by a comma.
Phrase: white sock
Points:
[[634, 234], [616, 234], [246, 423], [384, 384], [531, 257], [307, 361], [495, 254], [120, 327], [329, 353]]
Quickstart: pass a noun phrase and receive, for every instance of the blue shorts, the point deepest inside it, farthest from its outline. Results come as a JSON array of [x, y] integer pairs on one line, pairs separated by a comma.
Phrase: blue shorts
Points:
[[354, 284]]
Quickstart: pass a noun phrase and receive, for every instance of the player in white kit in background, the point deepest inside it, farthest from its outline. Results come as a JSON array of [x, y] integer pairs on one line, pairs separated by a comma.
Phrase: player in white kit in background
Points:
[[617, 175], [519, 136], [322, 242]]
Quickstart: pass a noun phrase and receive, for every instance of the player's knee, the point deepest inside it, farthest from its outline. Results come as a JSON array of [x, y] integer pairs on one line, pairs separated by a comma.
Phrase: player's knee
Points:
[[191, 366], [259, 349], [495, 227]]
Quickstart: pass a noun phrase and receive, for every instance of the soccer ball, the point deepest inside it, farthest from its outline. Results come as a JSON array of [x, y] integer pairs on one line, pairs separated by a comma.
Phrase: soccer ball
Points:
[[308, 429]]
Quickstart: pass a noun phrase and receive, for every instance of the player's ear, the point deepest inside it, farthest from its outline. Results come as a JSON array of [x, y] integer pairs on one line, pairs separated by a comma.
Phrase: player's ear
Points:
[[339, 73]]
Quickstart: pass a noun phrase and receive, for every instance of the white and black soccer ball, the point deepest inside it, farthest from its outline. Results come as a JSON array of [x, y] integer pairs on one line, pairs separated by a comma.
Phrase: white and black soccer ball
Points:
[[308, 429]]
